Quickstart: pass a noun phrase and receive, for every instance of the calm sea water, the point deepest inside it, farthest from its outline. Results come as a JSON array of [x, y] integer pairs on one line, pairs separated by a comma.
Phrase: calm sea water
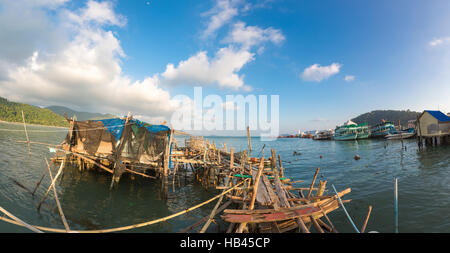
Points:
[[423, 178]]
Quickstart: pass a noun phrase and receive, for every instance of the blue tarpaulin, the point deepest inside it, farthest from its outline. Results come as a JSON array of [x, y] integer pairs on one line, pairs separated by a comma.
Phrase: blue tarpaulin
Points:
[[115, 126]]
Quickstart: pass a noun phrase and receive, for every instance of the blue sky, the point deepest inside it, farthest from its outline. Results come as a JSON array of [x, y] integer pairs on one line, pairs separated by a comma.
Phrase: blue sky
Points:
[[394, 54]]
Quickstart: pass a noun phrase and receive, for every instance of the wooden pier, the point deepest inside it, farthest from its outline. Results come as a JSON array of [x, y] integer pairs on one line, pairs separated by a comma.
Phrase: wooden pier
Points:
[[255, 196]]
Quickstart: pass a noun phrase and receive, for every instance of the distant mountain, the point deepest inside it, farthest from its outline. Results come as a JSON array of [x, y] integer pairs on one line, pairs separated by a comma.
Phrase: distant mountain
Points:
[[12, 112], [375, 117], [81, 116]]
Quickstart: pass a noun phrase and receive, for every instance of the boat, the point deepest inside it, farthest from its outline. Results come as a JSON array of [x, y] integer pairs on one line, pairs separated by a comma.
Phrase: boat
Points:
[[398, 135], [324, 135], [351, 131], [382, 129]]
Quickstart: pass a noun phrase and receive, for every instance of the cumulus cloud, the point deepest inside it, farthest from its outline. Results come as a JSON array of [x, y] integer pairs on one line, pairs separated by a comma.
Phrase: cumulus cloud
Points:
[[85, 73], [317, 73], [249, 36], [439, 41], [200, 69], [223, 69], [349, 78], [100, 12]]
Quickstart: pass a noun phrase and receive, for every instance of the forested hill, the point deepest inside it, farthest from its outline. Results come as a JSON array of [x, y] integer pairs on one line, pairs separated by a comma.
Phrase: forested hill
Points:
[[81, 116], [374, 117], [12, 112]]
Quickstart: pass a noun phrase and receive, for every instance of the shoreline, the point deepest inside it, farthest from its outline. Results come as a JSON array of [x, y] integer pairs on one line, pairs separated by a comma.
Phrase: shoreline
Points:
[[29, 124]]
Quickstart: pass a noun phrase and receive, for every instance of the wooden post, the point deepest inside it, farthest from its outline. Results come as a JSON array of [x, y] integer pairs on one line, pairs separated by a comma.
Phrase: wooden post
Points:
[[53, 182], [367, 220], [249, 140], [26, 133], [256, 183], [274, 162], [312, 184], [281, 166], [167, 155], [118, 166], [231, 158], [61, 213]]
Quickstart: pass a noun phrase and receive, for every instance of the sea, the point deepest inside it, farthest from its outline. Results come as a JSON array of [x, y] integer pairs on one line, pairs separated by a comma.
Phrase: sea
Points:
[[88, 203]]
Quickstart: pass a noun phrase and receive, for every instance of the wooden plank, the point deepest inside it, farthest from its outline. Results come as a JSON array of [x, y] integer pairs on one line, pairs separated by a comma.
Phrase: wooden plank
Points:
[[273, 197], [270, 217], [315, 204], [280, 192]]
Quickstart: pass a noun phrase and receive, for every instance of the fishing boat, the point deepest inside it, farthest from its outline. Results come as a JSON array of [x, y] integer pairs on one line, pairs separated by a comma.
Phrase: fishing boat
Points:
[[324, 135], [382, 129], [397, 135], [351, 131]]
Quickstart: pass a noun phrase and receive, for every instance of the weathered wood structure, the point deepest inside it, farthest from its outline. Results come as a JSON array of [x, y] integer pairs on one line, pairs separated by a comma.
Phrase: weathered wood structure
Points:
[[118, 145], [257, 196]]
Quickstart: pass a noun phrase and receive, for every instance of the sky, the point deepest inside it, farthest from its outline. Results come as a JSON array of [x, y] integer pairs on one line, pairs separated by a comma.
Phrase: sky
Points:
[[328, 61]]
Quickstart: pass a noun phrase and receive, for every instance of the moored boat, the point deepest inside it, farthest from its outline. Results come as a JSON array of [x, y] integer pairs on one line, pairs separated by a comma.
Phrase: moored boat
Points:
[[324, 135], [398, 135], [382, 129], [351, 131]]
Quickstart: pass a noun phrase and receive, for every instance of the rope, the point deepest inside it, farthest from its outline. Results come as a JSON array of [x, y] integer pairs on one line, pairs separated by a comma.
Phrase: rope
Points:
[[57, 230]]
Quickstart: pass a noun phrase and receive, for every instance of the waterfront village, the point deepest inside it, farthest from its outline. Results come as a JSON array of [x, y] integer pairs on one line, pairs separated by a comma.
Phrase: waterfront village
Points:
[[431, 128]]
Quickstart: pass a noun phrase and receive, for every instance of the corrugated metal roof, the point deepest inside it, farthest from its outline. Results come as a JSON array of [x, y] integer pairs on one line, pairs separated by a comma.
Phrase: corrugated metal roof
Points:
[[440, 116]]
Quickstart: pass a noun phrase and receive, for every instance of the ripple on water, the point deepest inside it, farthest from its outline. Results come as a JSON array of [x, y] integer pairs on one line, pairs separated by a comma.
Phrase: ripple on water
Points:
[[424, 183]]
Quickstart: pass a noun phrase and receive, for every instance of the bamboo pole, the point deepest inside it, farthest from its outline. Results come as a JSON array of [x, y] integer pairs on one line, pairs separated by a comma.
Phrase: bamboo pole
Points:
[[249, 140], [61, 213], [231, 158], [316, 225], [26, 133], [143, 224], [255, 185], [345, 210], [396, 205], [211, 216], [53, 182], [220, 209], [19, 221], [367, 220], [281, 166], [38, 183], [312, 184], [274, 162], [254, 192]]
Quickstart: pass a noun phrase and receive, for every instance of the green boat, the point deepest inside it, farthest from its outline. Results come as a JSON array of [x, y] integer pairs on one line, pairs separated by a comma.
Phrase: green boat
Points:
[[351, 131]]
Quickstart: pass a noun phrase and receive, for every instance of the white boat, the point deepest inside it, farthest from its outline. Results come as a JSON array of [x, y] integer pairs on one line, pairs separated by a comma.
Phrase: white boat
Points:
[[398, 136], [324, 135]]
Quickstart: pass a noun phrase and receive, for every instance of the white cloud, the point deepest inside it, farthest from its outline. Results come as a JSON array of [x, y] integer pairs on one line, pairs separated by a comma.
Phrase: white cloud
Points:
[[349, 78], [439, 41], [317, 73], [249, 36], [222, 13], [223, 69], [99, 12], [199, 69], [86, 72]]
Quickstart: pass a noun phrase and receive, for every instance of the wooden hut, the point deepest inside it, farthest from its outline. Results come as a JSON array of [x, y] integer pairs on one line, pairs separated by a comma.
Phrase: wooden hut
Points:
[[120, 144], [433, 128]]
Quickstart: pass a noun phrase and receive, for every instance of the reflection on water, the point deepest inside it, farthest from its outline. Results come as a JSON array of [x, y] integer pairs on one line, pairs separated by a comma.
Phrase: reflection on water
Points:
[[424, 185]]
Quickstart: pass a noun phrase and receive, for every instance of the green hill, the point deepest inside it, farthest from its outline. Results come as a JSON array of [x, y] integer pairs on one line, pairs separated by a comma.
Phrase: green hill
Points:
[[12, 112], [81, 116], [375, 117]]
